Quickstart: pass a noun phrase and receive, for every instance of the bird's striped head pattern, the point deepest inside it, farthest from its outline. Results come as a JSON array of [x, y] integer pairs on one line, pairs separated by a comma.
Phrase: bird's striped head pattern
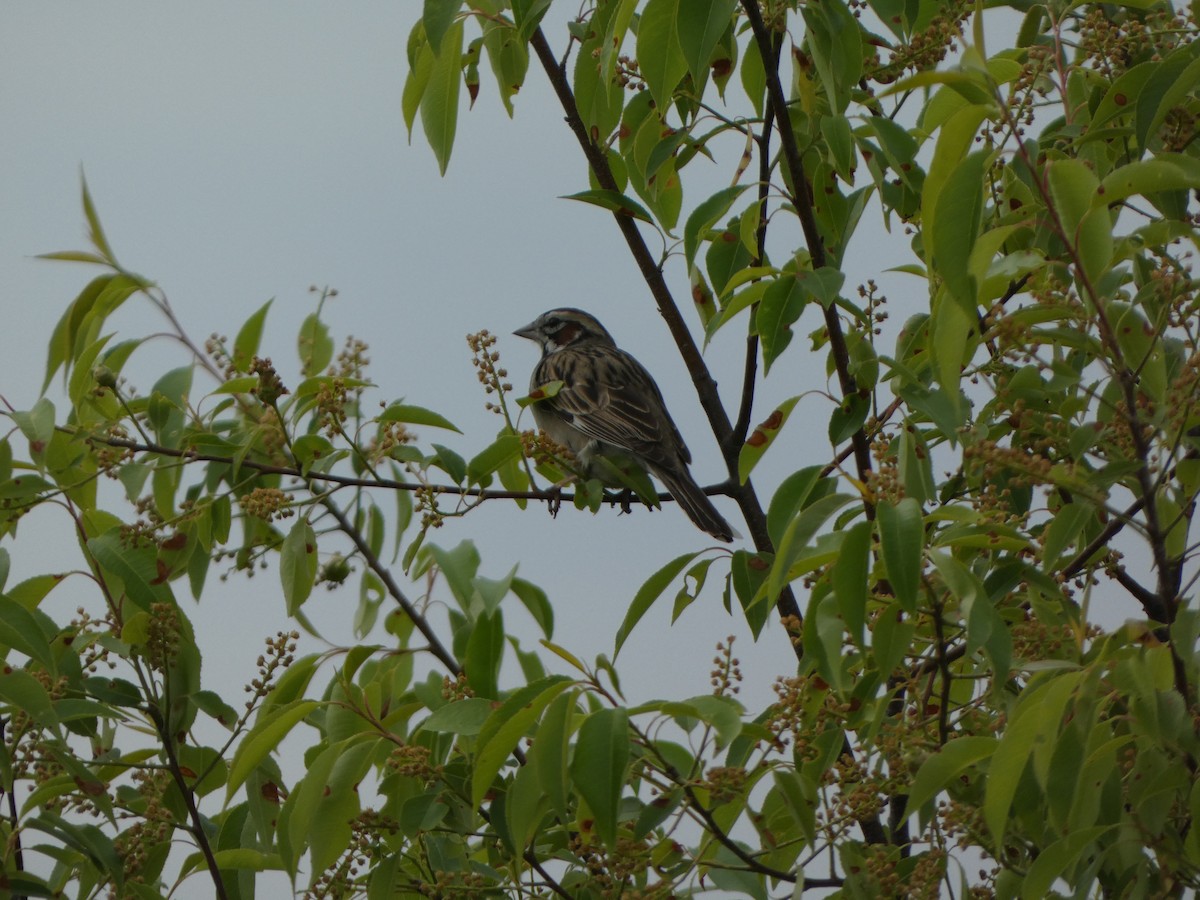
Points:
[[564, 327]]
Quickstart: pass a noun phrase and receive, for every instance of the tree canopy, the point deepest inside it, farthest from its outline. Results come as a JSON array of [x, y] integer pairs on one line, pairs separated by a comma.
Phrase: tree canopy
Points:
[[1022, 449]]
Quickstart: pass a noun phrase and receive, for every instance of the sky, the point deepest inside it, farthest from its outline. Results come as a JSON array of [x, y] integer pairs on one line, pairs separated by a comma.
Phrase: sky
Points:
[[242, 152]]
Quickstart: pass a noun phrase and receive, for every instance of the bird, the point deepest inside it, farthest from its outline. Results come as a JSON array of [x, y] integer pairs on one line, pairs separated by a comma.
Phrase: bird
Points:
[[608, 404]]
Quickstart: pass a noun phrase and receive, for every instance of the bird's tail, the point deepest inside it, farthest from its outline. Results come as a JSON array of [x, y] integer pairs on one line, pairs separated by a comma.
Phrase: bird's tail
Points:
[[696, 504]]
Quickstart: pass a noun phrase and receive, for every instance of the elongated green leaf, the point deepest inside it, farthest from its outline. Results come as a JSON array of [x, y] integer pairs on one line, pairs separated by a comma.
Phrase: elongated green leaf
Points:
[[946, 765], [20, 631], [763, 436], [699, 26], [460, 717], [849, 577], [901, 537], [956, 226], [136, 567], [650, 591], [95, 230], [249, 336], [27, 694], [507, 725], [437, 17], [416, 415], [315, 345], [1170, 81], [1029, 720], [614, 201], [485, 652], [798, 536], [660, 58], [1057, 858], [504, 449], [298, 565], [1166, 172], [706, 214], [263, 739], [439, 101], [421, 59], [598, 768], [551, 750], [780, 307]]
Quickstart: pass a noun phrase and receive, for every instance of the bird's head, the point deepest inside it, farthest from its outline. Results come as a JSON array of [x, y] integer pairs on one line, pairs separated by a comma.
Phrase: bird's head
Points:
[[561, 328]]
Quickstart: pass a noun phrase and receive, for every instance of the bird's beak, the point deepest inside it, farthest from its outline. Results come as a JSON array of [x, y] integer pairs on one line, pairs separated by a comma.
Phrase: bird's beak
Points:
[[527, 331]]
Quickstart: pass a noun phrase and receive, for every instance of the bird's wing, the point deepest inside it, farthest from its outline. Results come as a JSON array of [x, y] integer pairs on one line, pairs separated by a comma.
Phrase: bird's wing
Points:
[[610, 397]]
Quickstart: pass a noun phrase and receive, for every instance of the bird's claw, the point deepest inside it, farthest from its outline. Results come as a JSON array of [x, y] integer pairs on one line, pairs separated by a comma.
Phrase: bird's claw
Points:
[[554, 500]]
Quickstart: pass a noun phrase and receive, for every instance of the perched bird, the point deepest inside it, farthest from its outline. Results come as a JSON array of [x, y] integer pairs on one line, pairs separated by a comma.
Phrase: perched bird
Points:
[[609, 404]]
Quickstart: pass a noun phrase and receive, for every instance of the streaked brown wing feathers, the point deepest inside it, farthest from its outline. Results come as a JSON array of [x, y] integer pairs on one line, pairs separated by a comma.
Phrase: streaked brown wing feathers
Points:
[[610, 397]]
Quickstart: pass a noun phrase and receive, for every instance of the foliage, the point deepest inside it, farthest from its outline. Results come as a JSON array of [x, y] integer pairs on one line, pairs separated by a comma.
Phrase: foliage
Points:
[[957, 722]]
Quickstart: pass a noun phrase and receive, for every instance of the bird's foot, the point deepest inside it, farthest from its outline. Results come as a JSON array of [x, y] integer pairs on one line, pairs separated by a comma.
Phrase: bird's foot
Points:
[[553, 499], [554, 495]]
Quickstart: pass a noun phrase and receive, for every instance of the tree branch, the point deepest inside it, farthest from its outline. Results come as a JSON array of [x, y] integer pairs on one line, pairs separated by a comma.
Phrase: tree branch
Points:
[[436, 647], [706, 387], [801, 198]]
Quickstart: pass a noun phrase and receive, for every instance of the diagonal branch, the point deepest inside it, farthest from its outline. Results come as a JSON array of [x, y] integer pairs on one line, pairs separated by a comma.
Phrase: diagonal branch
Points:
[[706, 387]]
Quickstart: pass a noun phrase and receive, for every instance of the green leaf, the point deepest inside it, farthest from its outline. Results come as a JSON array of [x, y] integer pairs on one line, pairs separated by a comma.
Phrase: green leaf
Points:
[[535, 600], [1165, 172], [754, 77], [598, 767], [798, 537], [95, 230], [849, 579], [37, 424], [416, 415], [266, 735], [551, 749], [1172, 79], [28, 695], [778, 310], [527, 14], [1057, 858], [20, 631], [506, 726], [485, 653], [614, 201], [249, 336], [956, 226], [136, 567], [1011, 756], [763, 436], [1087, 230], [945, 766], [699, 27], [315, 345], [88, 840], [504, 449], [464, 717], [437, 17], [298, 565], [650, 591], [706, 214], [439, 102], [835, 43], [660, 57], [421, 58], [901, 537]]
